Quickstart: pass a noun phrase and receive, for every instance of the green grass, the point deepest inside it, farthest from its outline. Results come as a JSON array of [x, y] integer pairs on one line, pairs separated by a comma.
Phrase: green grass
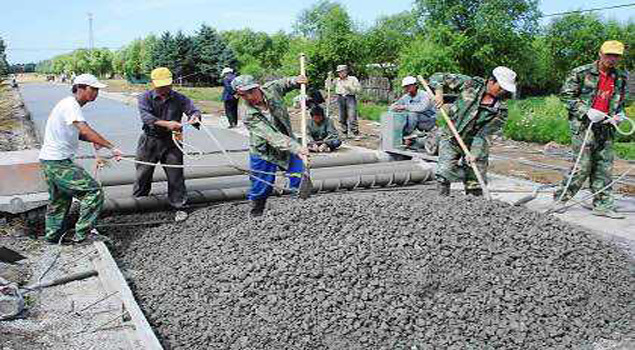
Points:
[[539, 120], [372, 111], [202, 93], [625, 150]]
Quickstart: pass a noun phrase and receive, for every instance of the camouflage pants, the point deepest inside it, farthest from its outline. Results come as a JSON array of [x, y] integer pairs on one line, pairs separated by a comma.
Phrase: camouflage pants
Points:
[[66, 181], [450, 168], [596, 164]]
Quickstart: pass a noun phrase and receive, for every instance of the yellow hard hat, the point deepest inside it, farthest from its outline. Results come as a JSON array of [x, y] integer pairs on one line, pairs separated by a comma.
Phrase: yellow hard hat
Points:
[[612, 47], [161, 77]]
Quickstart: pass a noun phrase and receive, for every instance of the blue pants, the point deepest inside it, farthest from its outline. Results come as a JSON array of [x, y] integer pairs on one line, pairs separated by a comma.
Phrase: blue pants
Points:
[[260, 189]]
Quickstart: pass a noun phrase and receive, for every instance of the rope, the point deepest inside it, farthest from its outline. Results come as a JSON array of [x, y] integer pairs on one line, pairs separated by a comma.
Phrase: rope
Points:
[[577, 162]]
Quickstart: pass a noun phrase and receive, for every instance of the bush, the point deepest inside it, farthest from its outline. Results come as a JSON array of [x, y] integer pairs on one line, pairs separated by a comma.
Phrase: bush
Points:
[[625, 150], [426, 58], [538, 120], [371, 111]]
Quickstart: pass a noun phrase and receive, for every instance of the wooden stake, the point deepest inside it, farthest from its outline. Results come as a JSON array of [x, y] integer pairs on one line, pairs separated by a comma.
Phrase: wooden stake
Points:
[[303, 100]]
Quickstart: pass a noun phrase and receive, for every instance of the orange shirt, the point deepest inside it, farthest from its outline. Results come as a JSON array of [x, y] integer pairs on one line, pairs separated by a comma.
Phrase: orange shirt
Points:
[[606, 86]]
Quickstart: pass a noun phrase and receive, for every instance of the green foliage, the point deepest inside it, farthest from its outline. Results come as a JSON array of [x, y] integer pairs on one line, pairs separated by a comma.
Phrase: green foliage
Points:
[[212, 55], [538, 120], [574, 40], [425, 57], [482, 34], [257, 53], [625, 150], [387, 38], [372, 111], [311, 20]]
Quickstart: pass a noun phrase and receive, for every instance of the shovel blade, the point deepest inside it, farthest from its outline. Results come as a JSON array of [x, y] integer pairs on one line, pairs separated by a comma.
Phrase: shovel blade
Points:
[[306, 186]]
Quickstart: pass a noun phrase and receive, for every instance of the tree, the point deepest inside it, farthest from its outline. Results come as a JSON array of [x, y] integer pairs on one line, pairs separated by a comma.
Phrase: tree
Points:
[[212, 54], [575, 39], [388, 37], [4, 65], [310, 20], [482, 34], [425, 57]]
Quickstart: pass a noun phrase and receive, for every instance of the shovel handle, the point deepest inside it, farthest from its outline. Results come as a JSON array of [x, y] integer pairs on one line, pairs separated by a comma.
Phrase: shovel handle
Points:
[[470, 158], [303, 100]]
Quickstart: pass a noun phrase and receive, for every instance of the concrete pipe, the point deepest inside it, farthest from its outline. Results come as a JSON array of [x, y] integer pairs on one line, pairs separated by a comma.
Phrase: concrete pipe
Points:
[[382, 177], [123, 173]]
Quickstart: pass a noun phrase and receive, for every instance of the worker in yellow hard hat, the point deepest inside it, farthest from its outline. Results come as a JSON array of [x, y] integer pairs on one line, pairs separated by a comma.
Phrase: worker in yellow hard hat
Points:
[[595, 94], [161, 110]]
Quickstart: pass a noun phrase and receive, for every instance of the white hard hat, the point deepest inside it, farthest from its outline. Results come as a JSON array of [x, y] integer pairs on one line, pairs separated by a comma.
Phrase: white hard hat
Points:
[[226, 70], [409, 80], [506, 78], [88, 79], [341, 67]]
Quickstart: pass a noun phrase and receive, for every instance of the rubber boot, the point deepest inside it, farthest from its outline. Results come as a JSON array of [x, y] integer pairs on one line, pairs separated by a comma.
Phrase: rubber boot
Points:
[[443, 187], [258, 207], [476, 192]]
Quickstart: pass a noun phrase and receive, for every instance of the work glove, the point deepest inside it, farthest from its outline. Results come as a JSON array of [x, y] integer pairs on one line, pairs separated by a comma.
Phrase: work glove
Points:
[[323, 148], [595, 115], [618, 118]]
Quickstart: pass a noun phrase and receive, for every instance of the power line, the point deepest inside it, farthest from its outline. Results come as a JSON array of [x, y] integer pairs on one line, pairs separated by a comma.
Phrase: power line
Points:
[[589, 10]]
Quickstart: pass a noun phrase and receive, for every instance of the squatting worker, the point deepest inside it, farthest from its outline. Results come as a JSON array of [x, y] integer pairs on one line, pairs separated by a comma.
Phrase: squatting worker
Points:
[[419, 106], [229, 99], [479, 111], [65, 126], [599, 86], [322, 133], [272, 143], [161, 110], [347, 87]]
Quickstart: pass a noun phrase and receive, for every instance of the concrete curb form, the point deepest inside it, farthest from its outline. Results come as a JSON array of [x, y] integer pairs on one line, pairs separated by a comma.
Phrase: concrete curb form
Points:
[[142, 336]]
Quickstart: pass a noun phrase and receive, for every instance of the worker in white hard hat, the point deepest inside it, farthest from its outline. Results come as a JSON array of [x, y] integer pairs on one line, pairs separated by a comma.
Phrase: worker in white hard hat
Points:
[[229, 98], [420, 108], [347, 87], [67, 181], [479, 111]]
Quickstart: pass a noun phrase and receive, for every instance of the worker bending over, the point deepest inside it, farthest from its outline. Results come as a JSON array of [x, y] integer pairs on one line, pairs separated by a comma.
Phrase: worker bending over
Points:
[[479, 111], [272, 143]]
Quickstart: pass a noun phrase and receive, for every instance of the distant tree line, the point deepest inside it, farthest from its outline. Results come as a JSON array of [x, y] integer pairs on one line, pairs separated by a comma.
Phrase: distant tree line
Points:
[[470, 37]]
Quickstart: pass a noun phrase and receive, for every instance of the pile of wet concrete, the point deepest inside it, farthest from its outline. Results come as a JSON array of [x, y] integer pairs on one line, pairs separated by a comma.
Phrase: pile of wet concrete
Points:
[[394, 270]]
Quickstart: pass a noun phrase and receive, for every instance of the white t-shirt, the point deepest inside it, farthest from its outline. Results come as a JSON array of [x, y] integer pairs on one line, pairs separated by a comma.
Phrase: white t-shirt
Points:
[[61, 138]]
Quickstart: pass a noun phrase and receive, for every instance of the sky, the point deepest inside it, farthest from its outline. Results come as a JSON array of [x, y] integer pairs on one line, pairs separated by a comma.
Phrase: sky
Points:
[[56, 27]]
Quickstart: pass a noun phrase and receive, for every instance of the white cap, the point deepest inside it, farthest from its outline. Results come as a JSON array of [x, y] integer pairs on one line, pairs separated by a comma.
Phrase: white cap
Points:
[[506, 78], [88, 79], [226, 70], [409, 80]]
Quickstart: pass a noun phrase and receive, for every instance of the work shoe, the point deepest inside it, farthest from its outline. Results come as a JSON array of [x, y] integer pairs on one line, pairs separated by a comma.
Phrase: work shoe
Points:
[[180, 215], [443, 188], [608, 213], [92, 236], [65, 239], [257, 207], [476, 192]]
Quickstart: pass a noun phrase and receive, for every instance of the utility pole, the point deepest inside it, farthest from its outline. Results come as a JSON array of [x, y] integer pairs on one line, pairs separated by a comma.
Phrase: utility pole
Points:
[[91, 42]]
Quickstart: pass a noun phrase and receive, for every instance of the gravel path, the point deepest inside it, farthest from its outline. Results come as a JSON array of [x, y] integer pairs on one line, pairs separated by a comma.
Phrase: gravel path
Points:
[[394, 270]]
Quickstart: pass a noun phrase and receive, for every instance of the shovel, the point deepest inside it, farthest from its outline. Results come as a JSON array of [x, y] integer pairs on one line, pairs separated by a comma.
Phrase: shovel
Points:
[[306, 185]]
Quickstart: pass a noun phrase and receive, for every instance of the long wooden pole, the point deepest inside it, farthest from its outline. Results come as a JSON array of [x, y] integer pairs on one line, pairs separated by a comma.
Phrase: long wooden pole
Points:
[[329, 82], [468, 154], [303, 100]]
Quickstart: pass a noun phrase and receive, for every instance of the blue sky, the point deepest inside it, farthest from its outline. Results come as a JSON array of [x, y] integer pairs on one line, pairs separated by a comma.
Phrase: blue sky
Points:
[[64, 24]]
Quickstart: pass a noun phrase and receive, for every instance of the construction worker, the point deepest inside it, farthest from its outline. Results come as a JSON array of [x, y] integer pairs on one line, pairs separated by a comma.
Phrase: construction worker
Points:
[[161, 110], [347, 87], [272, 143], [419, 107], [595, 93], [479, 111], [229, 99], [322, 133], [65, 126]]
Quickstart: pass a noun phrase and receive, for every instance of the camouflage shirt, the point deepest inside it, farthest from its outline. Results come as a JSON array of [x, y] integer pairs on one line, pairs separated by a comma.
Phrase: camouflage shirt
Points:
[[581, 86], [270, 135], [468, 115], [323, 132]]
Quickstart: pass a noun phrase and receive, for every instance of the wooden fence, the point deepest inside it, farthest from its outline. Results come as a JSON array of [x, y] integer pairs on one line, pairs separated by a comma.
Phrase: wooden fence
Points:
[[379, 89]]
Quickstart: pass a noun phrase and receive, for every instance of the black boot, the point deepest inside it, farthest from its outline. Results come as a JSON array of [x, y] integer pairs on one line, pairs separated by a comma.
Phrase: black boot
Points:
[[476, 192], [443, 188], [258, 207]]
